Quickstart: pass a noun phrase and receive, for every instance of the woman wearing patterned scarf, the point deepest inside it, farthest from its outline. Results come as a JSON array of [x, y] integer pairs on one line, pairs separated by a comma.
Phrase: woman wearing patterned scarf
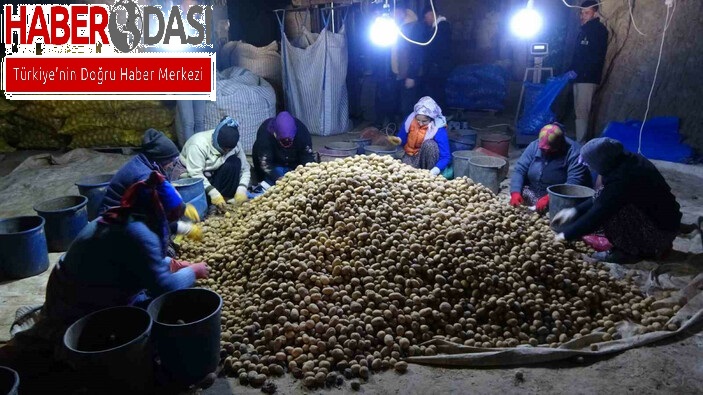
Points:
[[424, 138], [120, 258], [550, 160]]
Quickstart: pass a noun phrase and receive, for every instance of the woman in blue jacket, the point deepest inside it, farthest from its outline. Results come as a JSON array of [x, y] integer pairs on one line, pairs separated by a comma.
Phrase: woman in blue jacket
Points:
[[424, 138]]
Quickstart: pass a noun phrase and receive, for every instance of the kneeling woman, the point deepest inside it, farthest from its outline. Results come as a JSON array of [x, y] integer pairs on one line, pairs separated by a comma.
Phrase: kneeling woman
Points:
[[120, 258], [636, 209], [424, 138]]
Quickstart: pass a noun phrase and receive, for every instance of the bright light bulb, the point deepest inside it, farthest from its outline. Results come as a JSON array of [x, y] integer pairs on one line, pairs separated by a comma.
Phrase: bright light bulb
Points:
[[384, 31], [526, 23]]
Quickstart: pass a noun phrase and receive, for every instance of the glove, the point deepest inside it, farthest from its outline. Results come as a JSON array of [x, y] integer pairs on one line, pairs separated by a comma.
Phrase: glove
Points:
[[191, 213], [435, 171], [559, 237], [216, 198], [563, 216], [542, 204], [201, 270], [409, 83], [395, 140], [177, 265], [190, 230], [515, 199], [241, 195]]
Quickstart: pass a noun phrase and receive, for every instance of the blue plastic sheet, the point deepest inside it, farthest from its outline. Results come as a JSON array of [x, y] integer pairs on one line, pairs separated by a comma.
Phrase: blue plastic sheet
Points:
[[477, 87], [538, 101], [660, 138]]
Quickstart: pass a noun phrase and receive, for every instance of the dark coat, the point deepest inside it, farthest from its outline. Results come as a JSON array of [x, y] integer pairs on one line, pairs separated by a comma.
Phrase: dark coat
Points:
[[589, 54], [267, 153]]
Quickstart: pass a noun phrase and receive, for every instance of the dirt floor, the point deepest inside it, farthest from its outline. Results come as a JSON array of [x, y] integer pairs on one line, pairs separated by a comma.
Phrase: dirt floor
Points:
[[673, 367]]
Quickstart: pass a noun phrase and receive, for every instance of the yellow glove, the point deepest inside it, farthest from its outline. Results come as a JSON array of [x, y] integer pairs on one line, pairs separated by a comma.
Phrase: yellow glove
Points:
[[241, 195], [191, 213], [190, 230], [394, 140], [196, 233], [217, 199]]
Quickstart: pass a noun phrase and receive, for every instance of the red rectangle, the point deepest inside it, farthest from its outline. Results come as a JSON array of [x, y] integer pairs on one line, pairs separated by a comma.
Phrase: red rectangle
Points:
[[143, 74]]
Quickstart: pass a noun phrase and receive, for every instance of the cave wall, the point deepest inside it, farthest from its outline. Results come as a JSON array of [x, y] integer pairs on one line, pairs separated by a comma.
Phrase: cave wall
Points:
[[631, 62]]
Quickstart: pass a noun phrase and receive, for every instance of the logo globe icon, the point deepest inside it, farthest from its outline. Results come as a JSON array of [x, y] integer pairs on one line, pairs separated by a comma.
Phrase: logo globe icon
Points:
[[125, 37]]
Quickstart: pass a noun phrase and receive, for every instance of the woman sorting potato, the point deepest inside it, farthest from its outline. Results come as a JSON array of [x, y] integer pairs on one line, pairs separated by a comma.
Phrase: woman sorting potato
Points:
[[118, 259], [282, 144], [550, 160], [218, 158], [424, 138], [636, 209]]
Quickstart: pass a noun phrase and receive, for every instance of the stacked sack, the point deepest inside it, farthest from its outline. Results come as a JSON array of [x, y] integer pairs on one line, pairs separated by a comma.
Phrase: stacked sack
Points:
[[81, 123], [28, 126], [477, 87], [6, 108]]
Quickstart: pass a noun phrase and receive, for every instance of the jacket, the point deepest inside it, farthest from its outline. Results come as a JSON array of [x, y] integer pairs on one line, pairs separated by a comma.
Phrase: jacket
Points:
[[535, 170], [589, 54], [268, 153], [137, 169], [200, 156], [635, 181], [442, 140], [111, 265], [438, 53]]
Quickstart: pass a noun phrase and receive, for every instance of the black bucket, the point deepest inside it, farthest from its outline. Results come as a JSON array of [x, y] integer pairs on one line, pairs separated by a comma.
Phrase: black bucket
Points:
[[65, 218], [110, 349], [9, 381], [563, 196], [23, 250], [94, 188], [187, 333]]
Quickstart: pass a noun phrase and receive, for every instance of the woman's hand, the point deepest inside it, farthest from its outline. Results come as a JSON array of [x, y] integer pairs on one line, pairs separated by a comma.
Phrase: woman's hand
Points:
[[395, 140], [563, 216]]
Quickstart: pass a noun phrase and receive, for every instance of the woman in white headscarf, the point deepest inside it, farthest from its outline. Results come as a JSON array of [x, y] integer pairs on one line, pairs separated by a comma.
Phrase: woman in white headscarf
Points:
[[424, 138]]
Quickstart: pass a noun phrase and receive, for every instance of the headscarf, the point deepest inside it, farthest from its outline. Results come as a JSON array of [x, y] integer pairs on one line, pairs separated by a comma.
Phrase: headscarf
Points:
[[427, 107], [154, 199], [602, 155], [226, 135], [551, 139], [283, 128]]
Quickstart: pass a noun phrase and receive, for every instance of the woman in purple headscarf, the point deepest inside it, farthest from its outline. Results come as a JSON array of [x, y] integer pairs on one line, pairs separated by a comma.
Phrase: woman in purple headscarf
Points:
[[282, 144]]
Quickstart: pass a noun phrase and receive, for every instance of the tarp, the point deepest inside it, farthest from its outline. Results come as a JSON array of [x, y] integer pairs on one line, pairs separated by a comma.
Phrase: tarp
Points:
[[660, 138]]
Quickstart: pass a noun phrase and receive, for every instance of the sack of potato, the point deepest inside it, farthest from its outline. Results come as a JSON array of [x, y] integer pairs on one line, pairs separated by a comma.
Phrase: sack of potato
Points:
[[107, 137], [34, 133]]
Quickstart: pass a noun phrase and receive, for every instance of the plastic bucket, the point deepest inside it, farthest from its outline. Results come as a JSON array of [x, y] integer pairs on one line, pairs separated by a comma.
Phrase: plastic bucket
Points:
[[460, 162], [328, 155], [200, 204], [94, 188], [187, 333], [23, 250], [463, 140], [498, 143], [65, 218], [343, 146], [189, 188], [563, 196], [361, 143], [486, 170], [9, 381], [110, 348], [380, 150]]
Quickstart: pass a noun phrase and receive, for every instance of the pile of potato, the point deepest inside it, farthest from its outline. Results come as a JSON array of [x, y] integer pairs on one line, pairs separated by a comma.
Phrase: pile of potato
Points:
[[345, 268]]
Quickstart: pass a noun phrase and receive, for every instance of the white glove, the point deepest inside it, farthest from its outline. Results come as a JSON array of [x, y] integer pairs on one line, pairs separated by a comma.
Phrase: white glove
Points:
[[435, 171], [563, 216], [265, 185], [559, 237]]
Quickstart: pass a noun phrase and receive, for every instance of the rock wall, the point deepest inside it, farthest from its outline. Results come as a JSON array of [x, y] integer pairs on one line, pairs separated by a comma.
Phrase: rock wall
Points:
[[632, 58]]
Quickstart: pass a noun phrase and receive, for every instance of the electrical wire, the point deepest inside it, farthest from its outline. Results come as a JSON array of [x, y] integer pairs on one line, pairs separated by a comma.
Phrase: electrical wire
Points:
[[434, 34], [579, 7], [667, 22], [632, 18]]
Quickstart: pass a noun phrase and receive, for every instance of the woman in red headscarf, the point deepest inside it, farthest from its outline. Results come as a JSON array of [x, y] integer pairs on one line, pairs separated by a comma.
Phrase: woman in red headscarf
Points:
[[550, 160]]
